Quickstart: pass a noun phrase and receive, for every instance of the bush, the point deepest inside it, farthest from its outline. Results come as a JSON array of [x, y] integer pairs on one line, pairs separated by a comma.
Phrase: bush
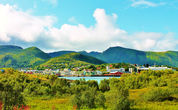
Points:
[[89, 98], [122, 103], [93, 83], [157, 94], [104, 85], [118, 95], [100, 100]]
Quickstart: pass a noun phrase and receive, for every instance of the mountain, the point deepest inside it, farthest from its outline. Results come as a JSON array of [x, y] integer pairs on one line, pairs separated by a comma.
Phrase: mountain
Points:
[[163, 58], [59, 53], [17, 57], [120, 54], [70, 60], [24, 58], [92, 53], [9, 49]]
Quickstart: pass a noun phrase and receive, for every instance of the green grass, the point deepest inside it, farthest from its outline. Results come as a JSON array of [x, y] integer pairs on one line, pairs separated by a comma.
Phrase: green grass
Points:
[[48, 103], [135, 95]]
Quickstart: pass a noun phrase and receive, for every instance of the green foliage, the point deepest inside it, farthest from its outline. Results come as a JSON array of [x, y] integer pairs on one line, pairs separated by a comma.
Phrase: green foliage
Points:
[[147, 78], [118, 95], [11, 90], [93, 83], [89, 98], [159, 94], [100, 100], [104, 85], [60, 87], [157, 86]]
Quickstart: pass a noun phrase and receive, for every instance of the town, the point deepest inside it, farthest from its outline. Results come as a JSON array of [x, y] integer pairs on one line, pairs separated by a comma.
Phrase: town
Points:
[[108, 71]]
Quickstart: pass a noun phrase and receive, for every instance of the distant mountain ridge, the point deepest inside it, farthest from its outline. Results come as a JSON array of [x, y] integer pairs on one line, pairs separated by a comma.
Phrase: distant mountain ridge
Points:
[[15, 56], [59, 53], [20, 58], [9, 49], [120, 54]]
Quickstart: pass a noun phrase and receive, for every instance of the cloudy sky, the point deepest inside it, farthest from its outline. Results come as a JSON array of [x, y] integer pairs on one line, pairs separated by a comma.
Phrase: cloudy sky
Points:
[[92, 25]]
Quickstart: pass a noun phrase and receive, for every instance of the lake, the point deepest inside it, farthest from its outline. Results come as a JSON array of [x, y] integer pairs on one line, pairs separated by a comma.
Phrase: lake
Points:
[[98, 79]]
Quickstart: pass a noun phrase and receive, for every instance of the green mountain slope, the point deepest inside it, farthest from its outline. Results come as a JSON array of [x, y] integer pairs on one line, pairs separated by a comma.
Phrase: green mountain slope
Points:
[[160, 58], [25, 58], [120, 54], [59, 53], [9, 49], [16, 57], [70, 60]]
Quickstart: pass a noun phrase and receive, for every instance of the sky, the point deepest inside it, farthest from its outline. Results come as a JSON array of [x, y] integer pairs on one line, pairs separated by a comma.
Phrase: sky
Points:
[[91, 25]]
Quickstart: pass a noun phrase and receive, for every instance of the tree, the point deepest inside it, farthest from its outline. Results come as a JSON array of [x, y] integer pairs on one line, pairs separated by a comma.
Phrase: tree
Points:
[[119, 95], [93, 83], [10, 96], [89, 98], [104, 85]]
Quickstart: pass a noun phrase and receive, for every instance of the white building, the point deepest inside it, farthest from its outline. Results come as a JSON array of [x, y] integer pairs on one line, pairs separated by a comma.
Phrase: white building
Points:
[[153, 68], [115, 70]]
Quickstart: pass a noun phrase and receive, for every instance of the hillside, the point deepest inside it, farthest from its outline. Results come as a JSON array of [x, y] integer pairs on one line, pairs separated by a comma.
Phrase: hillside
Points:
[[167, 58], [14, 56], [25, 58], [59, 53], [120, 54], [70, 60], [9, 49]]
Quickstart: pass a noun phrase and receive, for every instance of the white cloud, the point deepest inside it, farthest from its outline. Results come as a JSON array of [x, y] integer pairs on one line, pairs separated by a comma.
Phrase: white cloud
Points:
[[21, 25], [23, 28], [136, 3]]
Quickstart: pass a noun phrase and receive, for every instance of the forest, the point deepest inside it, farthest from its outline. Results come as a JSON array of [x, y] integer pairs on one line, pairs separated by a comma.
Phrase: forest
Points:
[[148, 90]]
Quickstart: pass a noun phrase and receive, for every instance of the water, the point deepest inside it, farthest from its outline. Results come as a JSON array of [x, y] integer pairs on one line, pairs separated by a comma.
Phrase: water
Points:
[[98, 79]]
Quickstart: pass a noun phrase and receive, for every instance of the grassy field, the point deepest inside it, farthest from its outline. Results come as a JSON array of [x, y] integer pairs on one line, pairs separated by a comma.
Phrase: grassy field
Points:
[[47, 103], [139, 104]]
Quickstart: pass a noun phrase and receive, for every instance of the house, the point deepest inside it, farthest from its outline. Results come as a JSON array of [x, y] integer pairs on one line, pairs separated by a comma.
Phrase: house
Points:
[[114, 74]]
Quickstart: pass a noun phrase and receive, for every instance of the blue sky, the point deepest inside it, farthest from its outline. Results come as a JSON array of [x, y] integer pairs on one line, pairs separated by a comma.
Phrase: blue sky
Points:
[[153, 22]]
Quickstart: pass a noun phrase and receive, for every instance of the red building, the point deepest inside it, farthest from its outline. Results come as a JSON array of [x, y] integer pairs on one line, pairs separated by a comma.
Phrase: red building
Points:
[[114, 74]]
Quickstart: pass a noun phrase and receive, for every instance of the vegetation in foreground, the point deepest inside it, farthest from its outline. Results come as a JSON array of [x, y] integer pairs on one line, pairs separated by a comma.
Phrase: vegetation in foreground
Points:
[[148, 90]]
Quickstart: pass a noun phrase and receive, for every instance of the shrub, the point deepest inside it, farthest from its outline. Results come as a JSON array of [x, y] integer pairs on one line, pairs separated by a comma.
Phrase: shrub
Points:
[[93, 83], [118, 95], [157, 94], [104, 85], [89, 98], [100, 100]]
